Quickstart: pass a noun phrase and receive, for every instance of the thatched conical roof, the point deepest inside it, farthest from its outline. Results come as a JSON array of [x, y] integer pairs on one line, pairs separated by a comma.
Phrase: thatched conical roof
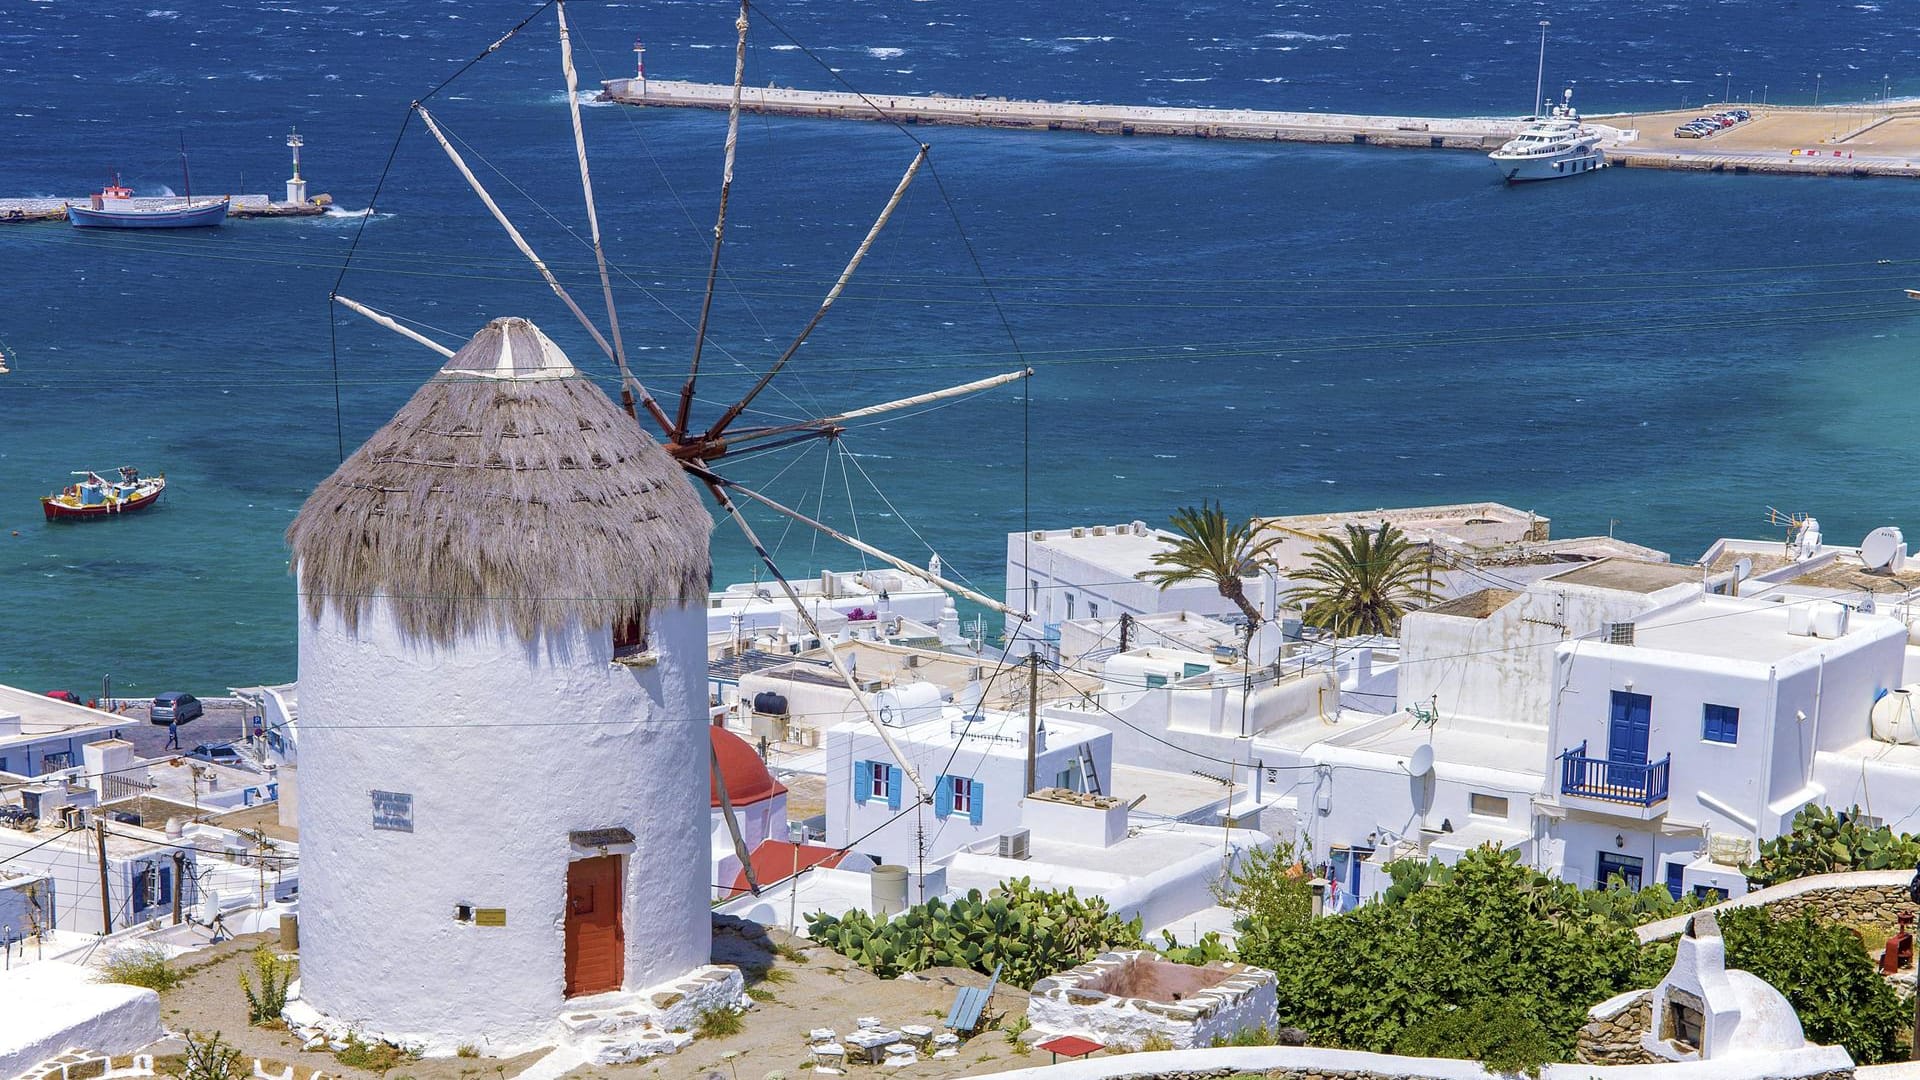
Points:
[[510, 491]]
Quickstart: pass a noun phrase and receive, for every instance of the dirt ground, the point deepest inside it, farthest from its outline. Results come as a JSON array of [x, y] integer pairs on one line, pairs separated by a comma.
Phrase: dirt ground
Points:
[[807, 987]]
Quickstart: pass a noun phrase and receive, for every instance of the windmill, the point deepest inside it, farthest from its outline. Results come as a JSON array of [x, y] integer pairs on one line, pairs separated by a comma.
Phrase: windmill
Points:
[[699, 448]]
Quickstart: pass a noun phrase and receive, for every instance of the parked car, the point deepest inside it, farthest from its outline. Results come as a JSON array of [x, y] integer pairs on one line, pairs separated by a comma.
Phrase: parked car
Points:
[[1689, 131], [65, 695], [1742, 115], [174, 707], [215, 755]]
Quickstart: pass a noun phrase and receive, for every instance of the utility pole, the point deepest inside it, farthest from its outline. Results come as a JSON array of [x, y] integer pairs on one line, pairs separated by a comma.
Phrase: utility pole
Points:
[[106, 895], [1033, 711], [179, 882], [1126, 625]]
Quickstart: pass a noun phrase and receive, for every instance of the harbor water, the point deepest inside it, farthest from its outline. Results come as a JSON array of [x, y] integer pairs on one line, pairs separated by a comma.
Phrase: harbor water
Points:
[[1285, 328]]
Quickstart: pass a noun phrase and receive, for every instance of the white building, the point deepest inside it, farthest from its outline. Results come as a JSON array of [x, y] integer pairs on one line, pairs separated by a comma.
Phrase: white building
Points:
[[751, 607], [758, 799], [40, 735], [972, 761], [1093, 572], [502, 686]]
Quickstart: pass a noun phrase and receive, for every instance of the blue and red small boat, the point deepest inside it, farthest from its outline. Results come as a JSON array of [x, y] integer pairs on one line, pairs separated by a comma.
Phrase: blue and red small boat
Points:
[[97, 497]]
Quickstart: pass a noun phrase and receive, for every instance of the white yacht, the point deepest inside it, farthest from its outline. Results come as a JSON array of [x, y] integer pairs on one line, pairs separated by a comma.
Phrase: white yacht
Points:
[[1553, 146]]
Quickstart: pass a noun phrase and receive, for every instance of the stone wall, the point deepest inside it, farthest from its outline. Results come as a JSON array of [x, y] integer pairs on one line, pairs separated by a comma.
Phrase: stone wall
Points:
[[1315, 1063], [1612, 1034], [1866, 898], [1075, 1003]]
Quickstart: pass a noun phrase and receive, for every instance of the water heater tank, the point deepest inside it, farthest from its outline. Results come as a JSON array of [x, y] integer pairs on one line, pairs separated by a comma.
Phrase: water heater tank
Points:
[[1894, 717]]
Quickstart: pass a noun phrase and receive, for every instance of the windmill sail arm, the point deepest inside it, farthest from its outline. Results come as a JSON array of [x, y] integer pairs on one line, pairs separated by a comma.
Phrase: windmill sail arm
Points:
[[627, 381], [717, 487], [720, 221], [717, 481], [859, 254], [362, 309], [884, 407], [459, 163]]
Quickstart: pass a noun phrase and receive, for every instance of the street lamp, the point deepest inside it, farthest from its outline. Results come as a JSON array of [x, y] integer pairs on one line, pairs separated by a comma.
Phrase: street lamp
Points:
[[1816, 89], [1726, 94]]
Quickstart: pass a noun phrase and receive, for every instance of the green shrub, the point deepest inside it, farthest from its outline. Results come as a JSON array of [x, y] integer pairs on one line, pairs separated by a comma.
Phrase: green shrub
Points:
[[265, 1002], [717, 1023], [142, 965], [1823, 842], [466, 1050], [1209, 949], [1029, 933], [1260, 1036], [1825, 972], [208, 1058], [375, 1057], [1493, 1032], [1488, 929]]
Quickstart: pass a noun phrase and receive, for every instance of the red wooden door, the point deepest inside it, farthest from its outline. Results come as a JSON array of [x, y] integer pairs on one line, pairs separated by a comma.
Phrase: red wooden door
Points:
[[596, 940]]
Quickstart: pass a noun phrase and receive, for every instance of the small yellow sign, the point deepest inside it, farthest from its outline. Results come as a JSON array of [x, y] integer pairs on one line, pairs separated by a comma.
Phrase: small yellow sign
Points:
[[490, 916]]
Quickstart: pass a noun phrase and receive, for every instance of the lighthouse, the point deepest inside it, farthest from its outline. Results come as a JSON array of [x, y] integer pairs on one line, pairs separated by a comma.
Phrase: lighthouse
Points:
[[504, 746], [296, 184]]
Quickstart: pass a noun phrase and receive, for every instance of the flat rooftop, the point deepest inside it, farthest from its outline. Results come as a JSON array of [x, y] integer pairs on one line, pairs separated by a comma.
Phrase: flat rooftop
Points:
[[1461, 741], [1124, 549], [1732, 630], [1476, 605], [1169, 795], [1630, 575], [41, 716]]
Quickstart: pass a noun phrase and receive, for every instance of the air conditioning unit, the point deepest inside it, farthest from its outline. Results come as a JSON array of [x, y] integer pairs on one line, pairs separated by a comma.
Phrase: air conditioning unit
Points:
[[1039, 534], [1078, 532], [1619, 633], [913, 660], [1013, 845], [1099, 530]]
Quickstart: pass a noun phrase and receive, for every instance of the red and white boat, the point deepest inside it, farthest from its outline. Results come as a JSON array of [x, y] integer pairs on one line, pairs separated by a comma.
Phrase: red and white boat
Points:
[[97, 497]]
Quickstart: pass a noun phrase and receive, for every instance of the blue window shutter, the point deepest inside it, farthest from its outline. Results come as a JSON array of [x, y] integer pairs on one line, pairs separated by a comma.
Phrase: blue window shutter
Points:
[[943, 797], [976, 802], [893, 787], [862, 782]]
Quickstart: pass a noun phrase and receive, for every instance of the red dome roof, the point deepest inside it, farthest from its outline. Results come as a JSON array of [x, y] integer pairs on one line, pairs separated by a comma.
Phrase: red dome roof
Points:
[[748, 780]]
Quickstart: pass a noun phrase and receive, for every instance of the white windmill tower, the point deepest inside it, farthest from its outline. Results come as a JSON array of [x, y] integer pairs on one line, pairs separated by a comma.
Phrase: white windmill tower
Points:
[[696, 449], [502, 680]]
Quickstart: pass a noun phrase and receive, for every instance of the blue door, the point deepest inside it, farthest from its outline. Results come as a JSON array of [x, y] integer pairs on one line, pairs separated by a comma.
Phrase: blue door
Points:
[[1627, 729], [1625, 867]]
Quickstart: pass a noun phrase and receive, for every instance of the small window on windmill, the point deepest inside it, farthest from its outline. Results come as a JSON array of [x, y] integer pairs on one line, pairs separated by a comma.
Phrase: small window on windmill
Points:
[[629, 639]]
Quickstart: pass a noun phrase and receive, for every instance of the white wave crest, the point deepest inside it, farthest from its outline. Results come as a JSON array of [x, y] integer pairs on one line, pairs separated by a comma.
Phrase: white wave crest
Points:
[[1302, 35], [885, 53]]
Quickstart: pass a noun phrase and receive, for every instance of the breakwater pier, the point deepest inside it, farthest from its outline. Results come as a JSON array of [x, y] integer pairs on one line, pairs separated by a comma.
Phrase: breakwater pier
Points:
[[26, 211], [1452, 133], [1835, 140]]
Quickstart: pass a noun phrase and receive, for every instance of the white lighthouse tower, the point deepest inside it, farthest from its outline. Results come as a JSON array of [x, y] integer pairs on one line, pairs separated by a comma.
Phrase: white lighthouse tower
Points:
[[296, 184], [504, 804]]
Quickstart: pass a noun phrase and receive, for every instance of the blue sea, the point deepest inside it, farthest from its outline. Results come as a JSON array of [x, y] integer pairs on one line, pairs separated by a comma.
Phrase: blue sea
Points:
[[1285, 328]]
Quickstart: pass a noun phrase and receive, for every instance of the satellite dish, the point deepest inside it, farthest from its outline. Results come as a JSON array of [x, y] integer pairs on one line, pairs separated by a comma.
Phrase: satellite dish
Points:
[[1420, 762], [1742, 570], [1877, 551]]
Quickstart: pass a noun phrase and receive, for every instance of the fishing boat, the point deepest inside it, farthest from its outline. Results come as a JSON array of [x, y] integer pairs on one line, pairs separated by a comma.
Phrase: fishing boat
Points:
[[113, 207], [97, 497]]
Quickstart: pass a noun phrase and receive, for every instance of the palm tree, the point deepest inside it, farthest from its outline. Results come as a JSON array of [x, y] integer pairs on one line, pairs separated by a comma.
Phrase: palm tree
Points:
[[1364, 582], [1207, 548]]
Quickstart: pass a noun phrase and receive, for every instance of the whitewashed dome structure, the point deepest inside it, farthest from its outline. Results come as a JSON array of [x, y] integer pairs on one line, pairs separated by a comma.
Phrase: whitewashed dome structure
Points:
[[504, 806]]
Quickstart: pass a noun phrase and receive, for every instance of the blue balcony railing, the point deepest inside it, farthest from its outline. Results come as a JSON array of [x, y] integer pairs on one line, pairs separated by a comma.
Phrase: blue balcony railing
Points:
[[1633, 783]]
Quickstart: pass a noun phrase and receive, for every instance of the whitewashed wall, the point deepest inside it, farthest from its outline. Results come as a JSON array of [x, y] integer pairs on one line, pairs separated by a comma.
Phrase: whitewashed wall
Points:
[[504, 747]]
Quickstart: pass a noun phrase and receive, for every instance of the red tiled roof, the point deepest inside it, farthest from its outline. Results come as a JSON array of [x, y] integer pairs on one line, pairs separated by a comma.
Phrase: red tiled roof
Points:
[[777, 859], [748, 780]]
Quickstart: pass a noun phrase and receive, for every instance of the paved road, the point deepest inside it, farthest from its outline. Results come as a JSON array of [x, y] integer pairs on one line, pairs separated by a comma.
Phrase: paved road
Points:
[[221, 723]]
